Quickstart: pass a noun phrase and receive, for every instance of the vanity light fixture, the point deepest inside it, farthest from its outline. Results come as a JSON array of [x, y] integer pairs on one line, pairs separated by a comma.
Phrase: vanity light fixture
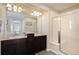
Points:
[[35, 13], [14, 8]]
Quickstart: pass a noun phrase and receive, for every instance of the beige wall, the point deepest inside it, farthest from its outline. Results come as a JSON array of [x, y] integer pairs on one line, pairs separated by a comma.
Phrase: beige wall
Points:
[[3, 19]]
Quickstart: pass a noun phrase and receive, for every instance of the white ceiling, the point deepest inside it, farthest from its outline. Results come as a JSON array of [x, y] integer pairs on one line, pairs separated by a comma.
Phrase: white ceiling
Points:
[[59, 7]]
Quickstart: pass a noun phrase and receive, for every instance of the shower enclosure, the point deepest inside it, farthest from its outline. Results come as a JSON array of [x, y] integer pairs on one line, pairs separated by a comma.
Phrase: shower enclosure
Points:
[[66, 32], [70, 33]]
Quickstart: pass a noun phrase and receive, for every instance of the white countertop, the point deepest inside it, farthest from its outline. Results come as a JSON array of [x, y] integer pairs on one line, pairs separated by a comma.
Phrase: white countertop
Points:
[[16, 37], [20, 36], [39, 34]]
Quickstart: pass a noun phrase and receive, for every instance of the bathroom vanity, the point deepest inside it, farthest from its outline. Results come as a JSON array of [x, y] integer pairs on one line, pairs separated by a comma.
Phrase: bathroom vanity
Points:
[[16, 44], [23, 45]]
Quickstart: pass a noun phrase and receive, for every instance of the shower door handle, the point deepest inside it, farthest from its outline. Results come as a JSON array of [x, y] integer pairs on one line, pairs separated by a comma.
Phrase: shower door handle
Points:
[[59, 39]]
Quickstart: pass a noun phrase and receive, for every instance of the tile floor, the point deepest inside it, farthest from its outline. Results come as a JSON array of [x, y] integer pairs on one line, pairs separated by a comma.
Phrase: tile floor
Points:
[[46, 53]]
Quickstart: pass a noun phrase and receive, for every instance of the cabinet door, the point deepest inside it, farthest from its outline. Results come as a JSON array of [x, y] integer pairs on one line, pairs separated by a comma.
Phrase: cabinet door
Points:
[[8, 47], [14, 47], [39, 44], [70, 33], [21, 46]]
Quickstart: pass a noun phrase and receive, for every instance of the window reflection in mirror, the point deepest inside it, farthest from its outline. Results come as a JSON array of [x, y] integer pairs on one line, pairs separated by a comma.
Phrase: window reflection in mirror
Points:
[[16, 27], [14, 22]]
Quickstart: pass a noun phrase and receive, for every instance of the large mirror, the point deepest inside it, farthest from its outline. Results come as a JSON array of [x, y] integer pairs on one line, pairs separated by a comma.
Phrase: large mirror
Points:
[[14, 20], [20, 23]]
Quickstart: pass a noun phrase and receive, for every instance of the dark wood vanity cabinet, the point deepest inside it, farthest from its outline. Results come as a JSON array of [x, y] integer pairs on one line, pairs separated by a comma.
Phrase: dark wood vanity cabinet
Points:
[[13, 47], [23, 46], [8, 47], [38, 44]]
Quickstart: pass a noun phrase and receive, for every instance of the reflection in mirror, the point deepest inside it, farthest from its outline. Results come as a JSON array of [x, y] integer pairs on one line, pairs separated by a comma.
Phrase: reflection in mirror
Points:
[[20, 23], [14, 22], [30, 25]]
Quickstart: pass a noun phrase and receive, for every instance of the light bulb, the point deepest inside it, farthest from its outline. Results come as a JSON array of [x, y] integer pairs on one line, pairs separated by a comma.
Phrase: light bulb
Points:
[[40, 13], [32, 13], [14, 8], [19, 9], [35, 13], [9, 5], [9, 9]]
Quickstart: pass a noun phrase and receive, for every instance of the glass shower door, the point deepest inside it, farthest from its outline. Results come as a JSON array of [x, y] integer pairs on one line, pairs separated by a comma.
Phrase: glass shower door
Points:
[[70, 33]]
